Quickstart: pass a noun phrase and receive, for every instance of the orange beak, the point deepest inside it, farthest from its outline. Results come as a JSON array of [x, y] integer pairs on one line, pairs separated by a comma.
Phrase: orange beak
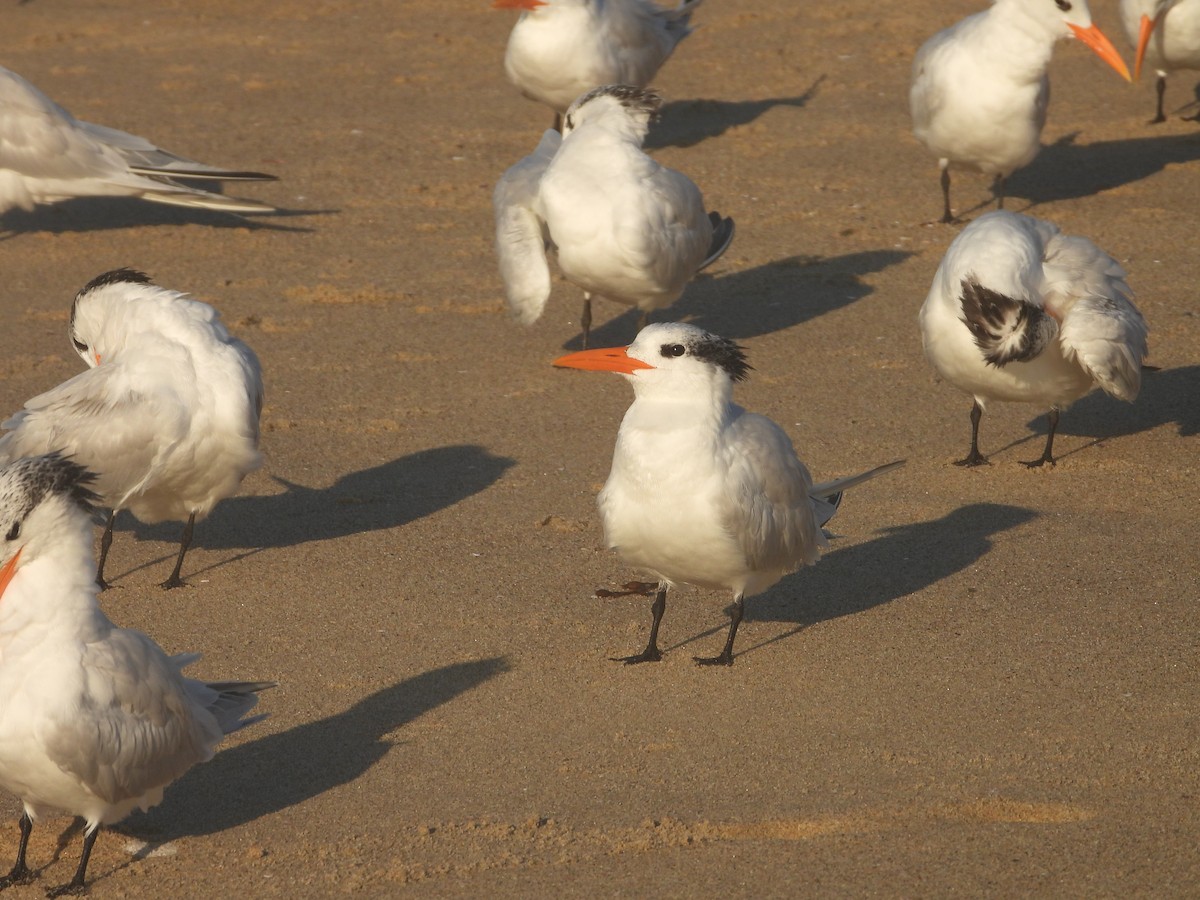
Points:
[[610, 359], [7, 572], [518, 4], [1102, 47], [1144, 33]]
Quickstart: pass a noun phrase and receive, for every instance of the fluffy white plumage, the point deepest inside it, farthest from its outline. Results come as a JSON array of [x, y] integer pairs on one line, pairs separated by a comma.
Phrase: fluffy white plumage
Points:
[[701, 491], [1166, 34], [47, 155], [96, 719], [1019, 311], [561, 49], [622, 226], [979, 88], [166, 414]]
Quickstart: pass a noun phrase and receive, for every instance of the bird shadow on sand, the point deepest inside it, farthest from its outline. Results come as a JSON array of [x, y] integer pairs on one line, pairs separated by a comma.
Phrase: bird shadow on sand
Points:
[[685, 123], [1065, 170], [905, 560], [378, 498], [1167, 397], [107, 213], [268, 775], [768, 298]]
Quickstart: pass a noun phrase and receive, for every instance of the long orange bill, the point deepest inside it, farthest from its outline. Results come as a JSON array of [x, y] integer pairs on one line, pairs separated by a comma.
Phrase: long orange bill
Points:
[[518, 4], [1144, 33], [610, 359], [1102, 47], [7, 572]]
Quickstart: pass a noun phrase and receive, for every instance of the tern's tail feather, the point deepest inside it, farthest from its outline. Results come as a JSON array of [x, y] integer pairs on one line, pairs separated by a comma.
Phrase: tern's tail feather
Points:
[[721, 239], [234, 699], [185, 170], [679, 19], [828, 495], [182, 195]]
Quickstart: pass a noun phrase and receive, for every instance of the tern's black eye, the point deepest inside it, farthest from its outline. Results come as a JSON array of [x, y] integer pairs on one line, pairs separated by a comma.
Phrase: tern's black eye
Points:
[[1064, 5], [13, 532], [79, 345], [673, 350]]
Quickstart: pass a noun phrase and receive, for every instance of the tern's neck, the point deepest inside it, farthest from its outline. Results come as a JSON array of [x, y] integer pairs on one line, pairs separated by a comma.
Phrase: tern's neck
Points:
[[703, 410], [1025, 42], [56, 590]]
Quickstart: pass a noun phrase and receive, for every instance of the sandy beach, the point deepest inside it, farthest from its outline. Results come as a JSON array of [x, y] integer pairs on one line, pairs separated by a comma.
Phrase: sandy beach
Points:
[[988, 685]]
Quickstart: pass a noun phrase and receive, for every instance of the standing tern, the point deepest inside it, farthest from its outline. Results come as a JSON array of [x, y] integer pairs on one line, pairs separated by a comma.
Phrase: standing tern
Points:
[[622, 226], [560, 49], [979, 89], [701, 491], [96, 719], [166, 414], [1019, 311], [1166, 34], [47, 155]]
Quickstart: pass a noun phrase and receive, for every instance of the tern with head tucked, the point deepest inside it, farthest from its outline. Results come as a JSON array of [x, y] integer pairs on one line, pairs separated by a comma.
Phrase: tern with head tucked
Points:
[[167, 413], [47, 155], [980, 89], [1019, 311], [561, 49], [1166, 34], [701, 491], [621, 226], [96, 719]]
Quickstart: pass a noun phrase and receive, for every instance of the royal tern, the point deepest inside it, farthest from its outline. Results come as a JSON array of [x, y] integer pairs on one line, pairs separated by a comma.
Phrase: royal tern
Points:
[[1166, 34], [96, 719], [560, 49], [979, 89], [622, 226], [47, 155], [1019, 311], [166, 415], [702, 492]]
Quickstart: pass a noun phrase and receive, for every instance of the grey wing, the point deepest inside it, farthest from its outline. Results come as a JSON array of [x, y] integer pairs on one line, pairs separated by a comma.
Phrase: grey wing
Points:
[[1108, 337], [521, 236], [145, 158], [137, 728], [768, 496], [104, 423]]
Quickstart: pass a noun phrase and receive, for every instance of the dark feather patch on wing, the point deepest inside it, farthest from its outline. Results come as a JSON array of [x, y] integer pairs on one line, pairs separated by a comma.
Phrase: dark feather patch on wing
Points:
[[1005, 328], [722, 352]]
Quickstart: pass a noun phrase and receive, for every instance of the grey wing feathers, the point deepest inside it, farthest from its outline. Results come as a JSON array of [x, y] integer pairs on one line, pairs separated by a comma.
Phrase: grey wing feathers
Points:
[[769, 492], [145, 158], [520, 232], [1108, 337], [141, 731], [231, 700]]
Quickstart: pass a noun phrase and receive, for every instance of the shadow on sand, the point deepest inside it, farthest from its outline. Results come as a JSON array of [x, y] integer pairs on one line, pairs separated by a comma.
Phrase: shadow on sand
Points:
[[382, 497], [905, 560], [1065, 170], [768, 298], [685, 123], [1167, 397], [268, 775]]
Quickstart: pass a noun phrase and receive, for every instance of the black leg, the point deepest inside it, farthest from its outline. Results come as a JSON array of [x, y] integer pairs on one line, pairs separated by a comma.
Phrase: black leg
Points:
[[651, 653], [998, 191], [78, 885], [1047, 454], [105, 543], [947, 216], [184, 542], [974, 457], [725, 658], [20, 873], [585, 319], [1160, 88]]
